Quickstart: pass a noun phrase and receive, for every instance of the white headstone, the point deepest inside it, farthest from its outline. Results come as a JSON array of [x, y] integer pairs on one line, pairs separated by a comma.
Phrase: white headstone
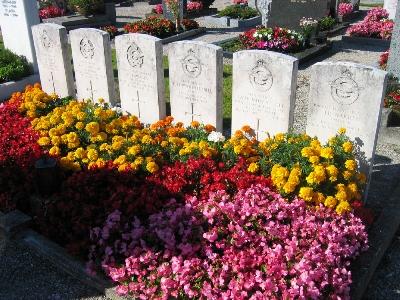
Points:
[[195, 72], [141, 76], [390, 6], [16, 19], [347, 95], [54, 59], [264, 91], [91, 53]]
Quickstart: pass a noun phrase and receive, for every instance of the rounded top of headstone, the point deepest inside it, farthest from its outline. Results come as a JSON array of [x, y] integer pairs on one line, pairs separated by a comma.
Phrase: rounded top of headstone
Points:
[[272, 54], [196, 43]]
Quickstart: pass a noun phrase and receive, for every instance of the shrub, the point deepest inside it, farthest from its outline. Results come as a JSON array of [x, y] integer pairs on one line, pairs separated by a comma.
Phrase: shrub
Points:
[[188, 24], [87, 7], [153, 25], [237, 11], [111, 29], [392, 100], [51, 12], [12, 66], [276, 39], [326, 23]]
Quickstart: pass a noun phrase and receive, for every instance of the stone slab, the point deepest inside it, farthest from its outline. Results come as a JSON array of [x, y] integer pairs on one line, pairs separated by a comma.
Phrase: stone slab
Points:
[[54, 59], [8, 88], [348, 95], [141, 76], [13, 223], [183, 35], [16, 19], [195, 72], [394, 55], [216, 20], [91, 53], [390, 6], [365, 41], [264, 91]]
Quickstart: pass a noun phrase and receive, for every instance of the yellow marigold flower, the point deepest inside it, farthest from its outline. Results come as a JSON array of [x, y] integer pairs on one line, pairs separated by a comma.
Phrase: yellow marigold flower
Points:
[[56, 140], [280, 137], [54, 151], [314, 159], [72, 137], [123, 167], [347, 174], [343, 207], [253, 168], [206, 153], [307, 152], [350, 164], [327, 153], [53, 132], [342, 130], [134, 150], [92, 155], [306, 193], [44, 141], [311, 179], [237, 149], [347, 147], [116, 145], [147, 139], [362, 178], [341, 195], [93, 128], [152, 167], [333, 172], [100, 163], [79, 125], [330, 202], [164, 144], [352, 187], [80, 153], [120, 160], [318, 198], [194, 124]]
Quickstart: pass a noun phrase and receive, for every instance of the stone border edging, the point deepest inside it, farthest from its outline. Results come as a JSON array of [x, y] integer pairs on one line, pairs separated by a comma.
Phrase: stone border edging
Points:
[[232, 23], [183, 35], [365, 41], [380, 238], [332, 32], [7, 88]]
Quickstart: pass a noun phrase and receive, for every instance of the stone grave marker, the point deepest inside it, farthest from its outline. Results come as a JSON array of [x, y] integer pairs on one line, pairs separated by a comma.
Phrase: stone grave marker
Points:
[[264, 91], [16, 19], [390, 6], [169, 15], [195, 71], [347, 95], [288, 13], [394, 54], [91, 53], [141, 77], [54, 59]]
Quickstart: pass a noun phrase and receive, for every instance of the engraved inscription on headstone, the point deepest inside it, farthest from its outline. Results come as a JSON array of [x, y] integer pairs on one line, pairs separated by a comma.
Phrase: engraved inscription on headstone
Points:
[[141, 77], [195, 70], [54, 59], [261, 77], [344, 89], [263, 91], [336, 91], [86, 48]]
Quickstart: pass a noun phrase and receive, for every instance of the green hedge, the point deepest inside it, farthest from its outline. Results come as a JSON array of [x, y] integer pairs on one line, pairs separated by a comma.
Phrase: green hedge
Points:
[[12, 66], [237, 11]]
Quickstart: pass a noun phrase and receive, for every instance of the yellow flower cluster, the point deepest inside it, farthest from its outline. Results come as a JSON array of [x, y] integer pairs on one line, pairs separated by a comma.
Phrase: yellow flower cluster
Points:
[[83, 134]]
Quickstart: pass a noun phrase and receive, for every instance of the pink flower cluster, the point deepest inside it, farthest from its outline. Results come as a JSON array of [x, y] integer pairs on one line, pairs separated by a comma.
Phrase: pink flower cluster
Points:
[[253, 245], [243, 2], [158, 9], [374, 25], [194, 6], [345, 9]]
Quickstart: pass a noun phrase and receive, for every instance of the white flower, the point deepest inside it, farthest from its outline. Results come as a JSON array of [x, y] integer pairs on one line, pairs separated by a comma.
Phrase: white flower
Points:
[[216, 137]]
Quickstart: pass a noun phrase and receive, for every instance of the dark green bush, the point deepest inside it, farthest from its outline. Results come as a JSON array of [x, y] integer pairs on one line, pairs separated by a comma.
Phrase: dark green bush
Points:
[[238, 11], [326, 23], [12, 66], [87, 7]]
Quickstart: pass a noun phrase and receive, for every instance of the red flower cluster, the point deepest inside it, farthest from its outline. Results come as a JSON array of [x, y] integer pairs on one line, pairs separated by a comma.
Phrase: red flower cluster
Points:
[[188, 24], [152, 25], [383, 59], [51, 12]]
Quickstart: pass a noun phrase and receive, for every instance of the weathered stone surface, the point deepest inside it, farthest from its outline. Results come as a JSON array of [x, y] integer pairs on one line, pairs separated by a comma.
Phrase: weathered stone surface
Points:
[[347, 95], [141, 78], [394, 55], [195, 71], [390, 6], [54, 59], [13, 222], [91, 52], [16, 19], [264, 90]]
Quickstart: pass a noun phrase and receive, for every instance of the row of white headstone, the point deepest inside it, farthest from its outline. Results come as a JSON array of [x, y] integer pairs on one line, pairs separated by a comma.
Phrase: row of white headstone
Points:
[[264, 84]]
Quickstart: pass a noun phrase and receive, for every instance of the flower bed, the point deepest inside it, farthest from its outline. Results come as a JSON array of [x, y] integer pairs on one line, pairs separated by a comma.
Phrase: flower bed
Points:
[[168, 211], [375, 25], [51, 12], [383, 60], [159, 27]]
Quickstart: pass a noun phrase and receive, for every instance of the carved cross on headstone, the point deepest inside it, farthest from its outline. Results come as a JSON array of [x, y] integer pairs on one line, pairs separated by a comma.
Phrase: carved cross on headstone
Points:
[[52, 82], [257, 130], [91, 90], [192, 114], [138, 103]]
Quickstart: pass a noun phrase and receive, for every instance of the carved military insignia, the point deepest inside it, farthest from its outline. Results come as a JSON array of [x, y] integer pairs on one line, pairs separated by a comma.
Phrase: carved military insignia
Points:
[[87, 48], [135, 56], [261, 77], [191, 64], [344, 89]]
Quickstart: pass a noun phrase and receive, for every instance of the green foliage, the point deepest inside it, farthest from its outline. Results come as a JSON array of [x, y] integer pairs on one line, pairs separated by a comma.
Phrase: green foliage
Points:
[[232, 46], [237, 11], [12, 66], [87, 7], [326, 23]]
